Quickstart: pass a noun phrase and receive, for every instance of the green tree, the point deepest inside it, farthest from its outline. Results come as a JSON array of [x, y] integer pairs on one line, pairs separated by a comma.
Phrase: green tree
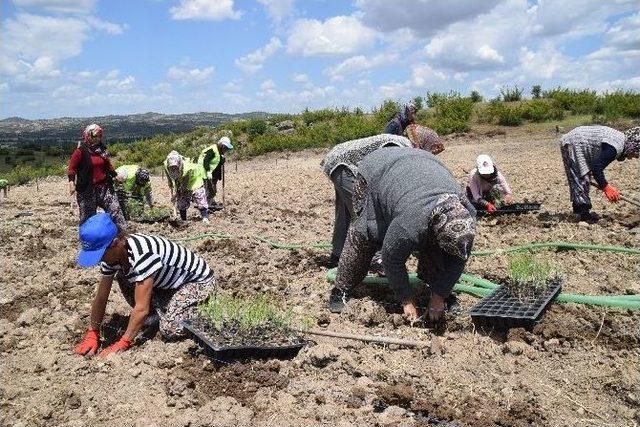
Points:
[[536, 91]]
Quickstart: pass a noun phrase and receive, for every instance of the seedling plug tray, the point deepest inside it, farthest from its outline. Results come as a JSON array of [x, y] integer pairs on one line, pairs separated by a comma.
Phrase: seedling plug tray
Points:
[[516, 208], [223, 352], [501, 310]]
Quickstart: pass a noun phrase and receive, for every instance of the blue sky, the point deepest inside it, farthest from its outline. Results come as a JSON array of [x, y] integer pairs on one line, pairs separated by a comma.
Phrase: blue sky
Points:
[[96, 57]]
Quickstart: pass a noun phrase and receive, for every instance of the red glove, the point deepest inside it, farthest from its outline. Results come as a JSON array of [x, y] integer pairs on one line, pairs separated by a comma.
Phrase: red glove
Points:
[[491, 208], [122, 345], [612, 193], [89, 344]]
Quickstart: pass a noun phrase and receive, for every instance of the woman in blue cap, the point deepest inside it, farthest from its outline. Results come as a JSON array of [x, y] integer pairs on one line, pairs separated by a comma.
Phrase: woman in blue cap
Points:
[[153, 273]]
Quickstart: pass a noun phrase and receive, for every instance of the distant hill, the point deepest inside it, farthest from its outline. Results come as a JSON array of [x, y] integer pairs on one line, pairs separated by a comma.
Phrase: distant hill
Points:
[[19, 131]]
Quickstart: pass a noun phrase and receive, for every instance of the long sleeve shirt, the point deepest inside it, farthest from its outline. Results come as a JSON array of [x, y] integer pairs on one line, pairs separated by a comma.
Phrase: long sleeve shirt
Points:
[[402, 188], [586, 144], [350, 153], [480, 187], [100, 167]]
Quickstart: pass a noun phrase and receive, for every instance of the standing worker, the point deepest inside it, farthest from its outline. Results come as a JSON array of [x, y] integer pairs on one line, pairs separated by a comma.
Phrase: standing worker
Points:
[[587, 151], [157, 277], [185, 180], [91, 176], [487, 188], [133, 183], [400, 121], [406, 201], [212, 161], [4, 186]]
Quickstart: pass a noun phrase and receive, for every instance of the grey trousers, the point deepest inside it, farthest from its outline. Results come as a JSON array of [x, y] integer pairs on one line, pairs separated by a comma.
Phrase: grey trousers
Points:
[[578, 185], [343, 182]]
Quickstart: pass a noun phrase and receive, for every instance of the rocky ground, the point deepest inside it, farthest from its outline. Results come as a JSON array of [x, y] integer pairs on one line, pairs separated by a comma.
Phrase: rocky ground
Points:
[[579, 366]]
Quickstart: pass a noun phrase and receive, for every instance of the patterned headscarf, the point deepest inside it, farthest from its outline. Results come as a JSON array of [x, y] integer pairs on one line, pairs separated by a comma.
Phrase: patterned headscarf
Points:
[[92, 132], [424, 138], [453, 226], [631, 142]]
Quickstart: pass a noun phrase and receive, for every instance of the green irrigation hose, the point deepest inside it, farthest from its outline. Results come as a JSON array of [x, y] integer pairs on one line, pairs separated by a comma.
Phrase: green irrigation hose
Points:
[[522, 248], [481, 287], [205, 235]]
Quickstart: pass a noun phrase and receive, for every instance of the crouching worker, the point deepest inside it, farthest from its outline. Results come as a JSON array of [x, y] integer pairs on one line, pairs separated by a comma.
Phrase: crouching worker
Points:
[[212, 161], [586, 152], [406, 201], [185, 180], [156, 276], [133, 182], [488, 189]]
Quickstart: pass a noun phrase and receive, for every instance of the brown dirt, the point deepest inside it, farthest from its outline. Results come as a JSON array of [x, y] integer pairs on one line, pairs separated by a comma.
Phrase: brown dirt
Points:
[[579, 367]]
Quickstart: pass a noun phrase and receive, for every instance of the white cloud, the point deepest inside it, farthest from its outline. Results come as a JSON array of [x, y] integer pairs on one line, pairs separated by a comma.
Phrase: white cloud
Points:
[[112, 81], [63, 6], [575, 17], [236, 98], [234, 85], [278, 9], [340, 35], [625, 34], [191, 77], [301, 78], [267, 85], [254, 61], [206, 10], [423, 17], [358, 63], [107, 27], [489, 41]]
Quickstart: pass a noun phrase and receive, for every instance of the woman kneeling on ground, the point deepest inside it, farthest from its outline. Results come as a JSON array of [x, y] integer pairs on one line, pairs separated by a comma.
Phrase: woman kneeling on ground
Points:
[[586, 152], [407, 201], [156, 276], [488, 189]]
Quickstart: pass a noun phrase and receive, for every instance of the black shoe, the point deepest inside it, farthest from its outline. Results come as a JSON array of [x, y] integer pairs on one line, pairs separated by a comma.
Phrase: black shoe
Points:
[[329, 262], [589, 217], [376, 267], [337, 300], [215, 206], [452, 305]]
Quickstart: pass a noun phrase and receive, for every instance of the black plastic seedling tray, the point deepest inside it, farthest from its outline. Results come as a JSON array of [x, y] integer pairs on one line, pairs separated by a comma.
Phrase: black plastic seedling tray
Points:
[[218, 352], [516, 208], [501, 310], [154, 220]]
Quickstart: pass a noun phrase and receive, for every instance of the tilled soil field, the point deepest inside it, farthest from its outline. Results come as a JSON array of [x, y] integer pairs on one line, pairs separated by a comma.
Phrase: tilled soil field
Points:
[[579, 367]]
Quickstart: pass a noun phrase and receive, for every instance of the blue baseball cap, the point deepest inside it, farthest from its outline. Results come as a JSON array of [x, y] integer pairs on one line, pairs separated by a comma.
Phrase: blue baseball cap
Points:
[[96, 234]]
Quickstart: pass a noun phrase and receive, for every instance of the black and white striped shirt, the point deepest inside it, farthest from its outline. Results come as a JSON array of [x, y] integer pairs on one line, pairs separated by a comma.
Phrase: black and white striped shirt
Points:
[[169, 264]]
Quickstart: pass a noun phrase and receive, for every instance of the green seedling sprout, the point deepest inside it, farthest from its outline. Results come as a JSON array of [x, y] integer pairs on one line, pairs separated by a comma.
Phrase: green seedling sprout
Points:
[[528, 275]]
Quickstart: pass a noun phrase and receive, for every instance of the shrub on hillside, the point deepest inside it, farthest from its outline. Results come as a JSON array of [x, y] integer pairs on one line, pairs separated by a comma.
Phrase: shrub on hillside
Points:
[[536, 91], [386, 112], [511, 94], [450, 113], [475, 96], [616, 105], [22, 174], [256, 127], [578, 102], [540, 110]]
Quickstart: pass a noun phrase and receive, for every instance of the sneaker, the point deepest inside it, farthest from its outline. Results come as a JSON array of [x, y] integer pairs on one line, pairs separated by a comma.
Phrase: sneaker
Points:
[[337, 300], [206, 220]]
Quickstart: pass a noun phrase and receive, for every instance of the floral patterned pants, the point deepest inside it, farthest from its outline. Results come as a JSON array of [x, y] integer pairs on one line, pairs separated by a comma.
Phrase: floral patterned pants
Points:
[[100, 196], [173, 306]]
